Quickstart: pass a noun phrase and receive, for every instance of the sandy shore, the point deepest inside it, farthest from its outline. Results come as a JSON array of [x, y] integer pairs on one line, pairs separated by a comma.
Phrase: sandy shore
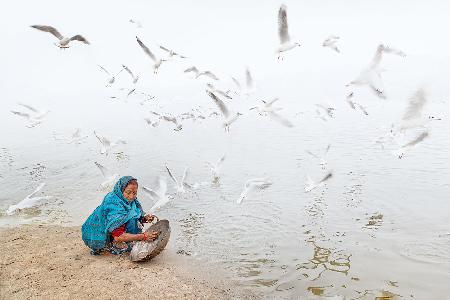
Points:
[[51, 262]]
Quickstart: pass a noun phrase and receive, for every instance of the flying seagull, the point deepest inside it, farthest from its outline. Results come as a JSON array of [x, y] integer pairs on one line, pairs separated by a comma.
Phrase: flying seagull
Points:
[[197, 73], [252, 185], [109, 177], [171, 52], [268, 109], [112, 78], [400, 152], [107, 145], [76, 137], [283, 33], [215, 168], [157, 61], [229, 118], [371, 75], [322, 159], [311, 185], [63, 41], [330, 42], [180, 185], [33, 116], [133, 77], [159, 196], [29, 201]]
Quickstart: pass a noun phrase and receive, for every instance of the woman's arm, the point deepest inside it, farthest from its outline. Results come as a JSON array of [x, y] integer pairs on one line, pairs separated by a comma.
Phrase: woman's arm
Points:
[[129, 237]]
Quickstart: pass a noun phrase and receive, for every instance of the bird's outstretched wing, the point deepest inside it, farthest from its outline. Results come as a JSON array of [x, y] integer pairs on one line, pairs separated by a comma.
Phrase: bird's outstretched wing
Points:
[[283, 121], [49, 29], [171, 175], [102, 169], [223, 108], [79, 38], [146, 50], [191, 69], [283, 25]]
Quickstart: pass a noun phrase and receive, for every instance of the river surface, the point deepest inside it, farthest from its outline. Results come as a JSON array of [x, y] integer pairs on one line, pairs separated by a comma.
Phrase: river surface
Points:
[[379, 227]]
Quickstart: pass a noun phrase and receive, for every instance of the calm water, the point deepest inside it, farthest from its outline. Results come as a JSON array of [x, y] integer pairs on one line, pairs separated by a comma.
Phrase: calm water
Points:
[[380, 227]]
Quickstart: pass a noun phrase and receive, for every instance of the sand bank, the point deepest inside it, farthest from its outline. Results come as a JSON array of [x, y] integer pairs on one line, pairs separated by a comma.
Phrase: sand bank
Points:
[[52, 262]]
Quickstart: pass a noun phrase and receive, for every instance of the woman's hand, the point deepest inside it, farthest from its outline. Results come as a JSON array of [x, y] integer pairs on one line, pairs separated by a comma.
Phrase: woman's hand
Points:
[[150, 236], [149, 218]]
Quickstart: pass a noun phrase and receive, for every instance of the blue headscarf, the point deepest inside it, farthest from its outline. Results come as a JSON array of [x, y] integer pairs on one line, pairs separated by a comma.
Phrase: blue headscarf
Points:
[[114, 211]]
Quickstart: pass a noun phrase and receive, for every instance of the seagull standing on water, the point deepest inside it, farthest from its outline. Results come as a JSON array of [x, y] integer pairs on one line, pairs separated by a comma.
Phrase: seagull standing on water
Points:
[[229, 118], [63, 41], [285, 41], [157, 60]]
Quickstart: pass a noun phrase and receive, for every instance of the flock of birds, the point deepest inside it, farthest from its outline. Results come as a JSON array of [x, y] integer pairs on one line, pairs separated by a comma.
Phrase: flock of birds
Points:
[[370, 77]]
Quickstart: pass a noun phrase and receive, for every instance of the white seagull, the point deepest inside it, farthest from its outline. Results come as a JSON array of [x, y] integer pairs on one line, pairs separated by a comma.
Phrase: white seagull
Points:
[[28, 202], [171, 52], [252, 185], [157, 60], [229, 118], [34, 116], [283, 33], [180, 185], [109, 177], [159, 196], [218, 92], [107, 145], [76, 137], [133, 77], [215, 168], [330, 42], [112, 78], [371, 75], [322, 158], [63, 41], [400, 152], [197, 73], [311, 185], [268, 109], [136, 22], [413, 117]]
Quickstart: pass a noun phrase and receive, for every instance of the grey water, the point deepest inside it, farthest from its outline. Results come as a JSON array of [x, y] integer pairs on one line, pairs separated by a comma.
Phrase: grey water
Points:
[[380, 227]]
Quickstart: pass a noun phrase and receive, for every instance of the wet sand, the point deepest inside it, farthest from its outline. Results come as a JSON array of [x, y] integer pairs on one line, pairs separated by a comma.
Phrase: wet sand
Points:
[[52, 262]]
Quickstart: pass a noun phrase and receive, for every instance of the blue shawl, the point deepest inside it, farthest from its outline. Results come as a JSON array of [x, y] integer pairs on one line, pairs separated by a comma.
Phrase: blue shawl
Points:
[[114, 211]]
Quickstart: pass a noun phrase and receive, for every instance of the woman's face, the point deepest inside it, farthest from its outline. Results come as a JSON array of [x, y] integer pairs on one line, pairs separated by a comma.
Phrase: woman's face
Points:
[[130, 192]]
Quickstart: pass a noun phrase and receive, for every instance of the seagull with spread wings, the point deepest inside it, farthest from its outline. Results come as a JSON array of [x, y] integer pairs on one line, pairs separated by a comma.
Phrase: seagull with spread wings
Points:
[[229, 118], [171, 52], [197, 73], [285, 40], [63, 42], [33, 116], [158, 61]]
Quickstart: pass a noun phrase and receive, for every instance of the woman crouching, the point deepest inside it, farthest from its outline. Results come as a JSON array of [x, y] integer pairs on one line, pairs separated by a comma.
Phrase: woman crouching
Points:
[[117, 222]]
